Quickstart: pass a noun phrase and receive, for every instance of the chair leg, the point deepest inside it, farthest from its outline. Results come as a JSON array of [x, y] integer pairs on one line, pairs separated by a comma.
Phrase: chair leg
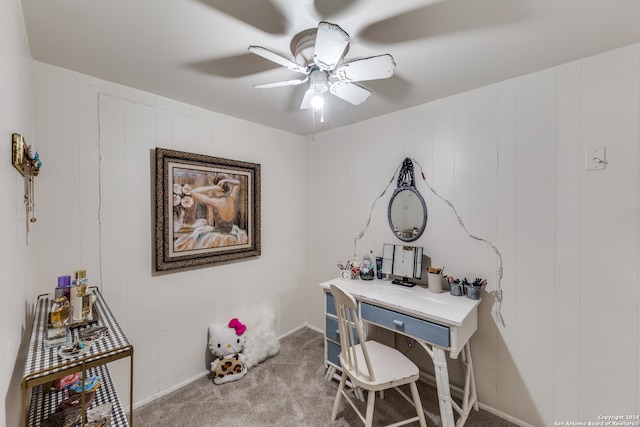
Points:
[[336, 404], [418, 404], [371, 401]]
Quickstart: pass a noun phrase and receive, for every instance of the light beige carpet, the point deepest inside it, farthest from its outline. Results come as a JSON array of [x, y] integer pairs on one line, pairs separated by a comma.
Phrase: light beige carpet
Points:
[[286, 390]]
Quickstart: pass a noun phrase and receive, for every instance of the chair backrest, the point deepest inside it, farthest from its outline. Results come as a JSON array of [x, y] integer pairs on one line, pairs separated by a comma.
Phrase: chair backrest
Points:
[[351, 334]]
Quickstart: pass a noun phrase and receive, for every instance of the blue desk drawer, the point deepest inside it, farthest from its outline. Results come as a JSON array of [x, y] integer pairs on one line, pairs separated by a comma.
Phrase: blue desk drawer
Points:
[[331, 329], [332, 332], [402, 323], [333, 353], [330, 305]]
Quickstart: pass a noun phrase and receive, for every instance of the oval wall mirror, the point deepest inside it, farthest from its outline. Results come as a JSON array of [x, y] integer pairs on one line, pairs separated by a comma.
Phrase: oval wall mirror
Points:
[[407, 212]]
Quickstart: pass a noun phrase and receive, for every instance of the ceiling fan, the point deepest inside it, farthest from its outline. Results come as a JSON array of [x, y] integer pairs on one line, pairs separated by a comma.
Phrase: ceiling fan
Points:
[[322, 52]]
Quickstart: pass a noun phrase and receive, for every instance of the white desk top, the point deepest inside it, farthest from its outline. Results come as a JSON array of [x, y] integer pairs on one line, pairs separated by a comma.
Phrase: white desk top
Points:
[[442, 308]]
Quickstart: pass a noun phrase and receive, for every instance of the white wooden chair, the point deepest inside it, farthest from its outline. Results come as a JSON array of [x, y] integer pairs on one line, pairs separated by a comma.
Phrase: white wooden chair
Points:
[[370, 365]]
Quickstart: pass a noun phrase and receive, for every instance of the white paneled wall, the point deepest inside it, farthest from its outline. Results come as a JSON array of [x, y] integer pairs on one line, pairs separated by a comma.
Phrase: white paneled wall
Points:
[[17, 258], [511, 158], [97, 211], [609, 234]]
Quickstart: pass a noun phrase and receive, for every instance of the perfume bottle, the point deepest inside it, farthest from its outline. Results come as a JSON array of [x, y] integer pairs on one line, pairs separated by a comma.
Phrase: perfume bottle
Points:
[[64, 284], [60, 312], [85, 294], [79, 282]]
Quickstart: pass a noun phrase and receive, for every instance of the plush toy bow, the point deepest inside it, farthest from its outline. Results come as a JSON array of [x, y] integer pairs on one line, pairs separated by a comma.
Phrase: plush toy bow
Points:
[[239, 327]]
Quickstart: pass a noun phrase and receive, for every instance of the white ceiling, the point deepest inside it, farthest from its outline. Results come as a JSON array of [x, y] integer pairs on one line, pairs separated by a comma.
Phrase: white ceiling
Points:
[[195, 51]]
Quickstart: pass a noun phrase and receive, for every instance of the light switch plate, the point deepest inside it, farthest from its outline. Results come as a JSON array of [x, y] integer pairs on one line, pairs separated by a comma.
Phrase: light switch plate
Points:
[[595, 159]]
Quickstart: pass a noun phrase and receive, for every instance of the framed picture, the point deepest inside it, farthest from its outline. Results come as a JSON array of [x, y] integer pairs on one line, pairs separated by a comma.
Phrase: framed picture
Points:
[[18, 148], [207, 209]]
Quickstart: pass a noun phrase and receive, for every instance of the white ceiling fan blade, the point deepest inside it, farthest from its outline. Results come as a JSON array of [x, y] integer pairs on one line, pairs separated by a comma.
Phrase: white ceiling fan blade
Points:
[[350, 92], [306, 100], [331, 41], [274, 57], [374, 68], [293, 82]]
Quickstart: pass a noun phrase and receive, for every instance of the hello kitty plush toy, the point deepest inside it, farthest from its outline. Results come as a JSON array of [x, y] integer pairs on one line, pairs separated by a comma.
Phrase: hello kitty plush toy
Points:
[[226, 343]]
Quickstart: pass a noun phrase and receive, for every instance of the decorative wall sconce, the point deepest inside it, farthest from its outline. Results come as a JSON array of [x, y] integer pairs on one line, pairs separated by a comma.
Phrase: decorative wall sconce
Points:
[[26, 159]]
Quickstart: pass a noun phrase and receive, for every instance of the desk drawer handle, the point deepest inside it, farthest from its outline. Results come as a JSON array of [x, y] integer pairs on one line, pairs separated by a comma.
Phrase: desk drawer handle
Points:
[[399, 323]]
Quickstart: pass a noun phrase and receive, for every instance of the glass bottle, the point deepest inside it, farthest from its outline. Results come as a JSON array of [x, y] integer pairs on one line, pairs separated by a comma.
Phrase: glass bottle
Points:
[[78, 283], [64, 284], [368, 268], [86, 304], [60, 312]]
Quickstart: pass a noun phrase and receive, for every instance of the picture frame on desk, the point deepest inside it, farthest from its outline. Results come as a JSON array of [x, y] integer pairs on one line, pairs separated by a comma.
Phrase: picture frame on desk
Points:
[[207, 210]]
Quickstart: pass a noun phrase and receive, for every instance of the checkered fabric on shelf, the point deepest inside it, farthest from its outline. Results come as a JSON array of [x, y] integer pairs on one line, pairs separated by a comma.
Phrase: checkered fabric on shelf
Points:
[[45, 403], [43, 363], [41, 359]]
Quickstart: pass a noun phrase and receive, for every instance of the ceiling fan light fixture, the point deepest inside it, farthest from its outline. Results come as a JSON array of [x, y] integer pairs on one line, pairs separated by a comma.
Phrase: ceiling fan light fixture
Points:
[[319, 55], [317, 102], [319, 81]]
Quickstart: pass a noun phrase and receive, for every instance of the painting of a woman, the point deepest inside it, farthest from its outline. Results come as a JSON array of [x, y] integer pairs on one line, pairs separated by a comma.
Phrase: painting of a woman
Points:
[[215, 212], [207, 209]]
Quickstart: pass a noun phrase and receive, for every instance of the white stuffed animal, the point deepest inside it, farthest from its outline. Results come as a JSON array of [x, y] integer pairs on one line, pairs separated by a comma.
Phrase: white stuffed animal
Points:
[[263, 341], [226, 343]]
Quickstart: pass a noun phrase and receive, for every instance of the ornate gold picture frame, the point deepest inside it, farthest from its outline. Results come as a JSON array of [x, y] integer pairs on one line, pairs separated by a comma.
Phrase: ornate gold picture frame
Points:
[[207, 209]]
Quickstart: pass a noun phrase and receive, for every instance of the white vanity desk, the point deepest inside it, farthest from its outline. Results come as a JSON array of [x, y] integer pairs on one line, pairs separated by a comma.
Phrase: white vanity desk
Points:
[[438, 322]]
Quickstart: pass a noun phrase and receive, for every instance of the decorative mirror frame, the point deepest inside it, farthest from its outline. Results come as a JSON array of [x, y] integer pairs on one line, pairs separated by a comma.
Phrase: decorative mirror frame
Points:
[[406, 182]]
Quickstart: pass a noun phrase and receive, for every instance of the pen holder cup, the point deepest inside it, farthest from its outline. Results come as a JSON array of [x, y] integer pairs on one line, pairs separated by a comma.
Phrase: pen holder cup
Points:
[[456, 289], [345, 274], [435, 282], [473, 292]]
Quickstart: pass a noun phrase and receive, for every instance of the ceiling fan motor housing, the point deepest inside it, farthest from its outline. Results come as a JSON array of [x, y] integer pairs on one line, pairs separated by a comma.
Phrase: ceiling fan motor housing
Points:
[[319, 81]]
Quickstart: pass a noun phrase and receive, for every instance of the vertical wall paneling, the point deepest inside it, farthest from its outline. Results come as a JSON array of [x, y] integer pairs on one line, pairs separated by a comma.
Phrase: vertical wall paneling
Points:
[[19, 259], [113, 209], [518, 180], [420, 146], [609, 232], [59, 198], [507, 380], [192, 135], [102, 138], [481, 222], [112, 222], [510, 157], [535, 248], [88, 155], [637, 221], [442, 180], [140, 134], [569, 166], [458, 266], [165, 289]]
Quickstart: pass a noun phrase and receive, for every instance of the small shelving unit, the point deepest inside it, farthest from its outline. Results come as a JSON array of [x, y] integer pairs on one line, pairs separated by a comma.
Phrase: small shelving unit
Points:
[[44, 365]]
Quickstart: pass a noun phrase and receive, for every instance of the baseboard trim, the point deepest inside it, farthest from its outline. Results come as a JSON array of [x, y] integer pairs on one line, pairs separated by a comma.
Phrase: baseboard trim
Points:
[[457, 392], [429, 379], [175, 387], [304, 325]]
